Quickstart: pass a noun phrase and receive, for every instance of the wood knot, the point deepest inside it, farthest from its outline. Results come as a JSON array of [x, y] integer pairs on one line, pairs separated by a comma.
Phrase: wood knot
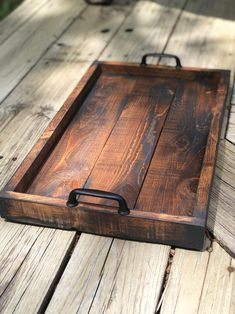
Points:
[[182, 144]]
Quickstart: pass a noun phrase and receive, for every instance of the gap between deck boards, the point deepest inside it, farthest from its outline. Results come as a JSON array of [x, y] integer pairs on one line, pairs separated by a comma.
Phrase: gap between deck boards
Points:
[[58, 275]]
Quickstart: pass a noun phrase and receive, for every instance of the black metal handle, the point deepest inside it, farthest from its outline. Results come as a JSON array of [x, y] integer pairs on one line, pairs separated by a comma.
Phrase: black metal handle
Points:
[[161, 55], [73, 202]]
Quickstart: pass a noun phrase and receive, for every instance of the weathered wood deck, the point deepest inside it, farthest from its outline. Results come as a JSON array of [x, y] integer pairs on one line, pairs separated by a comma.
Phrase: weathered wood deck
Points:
[[45, 47]]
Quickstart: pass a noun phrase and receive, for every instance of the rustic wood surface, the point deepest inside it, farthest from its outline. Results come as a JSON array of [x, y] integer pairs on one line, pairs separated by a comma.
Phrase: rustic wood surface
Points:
[[41, 31], [18, 17], [202, 34], [200, 283], [105, 287]]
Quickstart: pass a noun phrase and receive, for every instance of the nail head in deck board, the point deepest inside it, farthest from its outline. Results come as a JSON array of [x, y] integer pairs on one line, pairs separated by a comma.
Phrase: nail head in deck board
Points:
[[141, 113]]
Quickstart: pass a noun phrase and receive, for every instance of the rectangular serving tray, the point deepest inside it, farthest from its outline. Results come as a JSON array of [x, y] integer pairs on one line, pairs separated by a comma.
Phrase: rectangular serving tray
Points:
[[130, 154]]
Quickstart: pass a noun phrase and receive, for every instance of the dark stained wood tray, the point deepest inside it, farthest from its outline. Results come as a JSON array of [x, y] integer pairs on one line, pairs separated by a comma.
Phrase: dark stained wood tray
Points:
[[131, 154]]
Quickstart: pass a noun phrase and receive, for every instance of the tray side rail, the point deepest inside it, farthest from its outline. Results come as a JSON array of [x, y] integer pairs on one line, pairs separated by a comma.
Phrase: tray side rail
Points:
[[103, 220]]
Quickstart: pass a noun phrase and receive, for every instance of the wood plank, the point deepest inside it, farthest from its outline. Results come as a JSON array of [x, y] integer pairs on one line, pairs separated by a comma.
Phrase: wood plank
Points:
[[143, 33], [128, 151], [52, 134], [200, 283], [83, 140], [30, 42], [129, 281], [25, 11], [206, 27], [174, 171], [208, 35], [185, 282], [32, 267], [82, 276], [141, 264], [221, 219], [12, 255], [218, 292]]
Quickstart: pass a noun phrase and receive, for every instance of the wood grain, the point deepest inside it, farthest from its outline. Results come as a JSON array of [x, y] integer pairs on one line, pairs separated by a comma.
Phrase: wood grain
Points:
[[35, 159], [119, 284], [205, 29], [219, 286], [82, 276], [221, 218], [79, 148], [186, 232], [185, 282], [20, 248], [176, 166], [124, 161], [34, 268], [12, 255], [141, 33], [21, 15], [31, 41], [125, 264], [200, 283]]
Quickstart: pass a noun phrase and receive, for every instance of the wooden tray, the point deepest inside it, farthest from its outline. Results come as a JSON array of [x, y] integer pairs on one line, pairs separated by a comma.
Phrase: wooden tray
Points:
[[142, 140]]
